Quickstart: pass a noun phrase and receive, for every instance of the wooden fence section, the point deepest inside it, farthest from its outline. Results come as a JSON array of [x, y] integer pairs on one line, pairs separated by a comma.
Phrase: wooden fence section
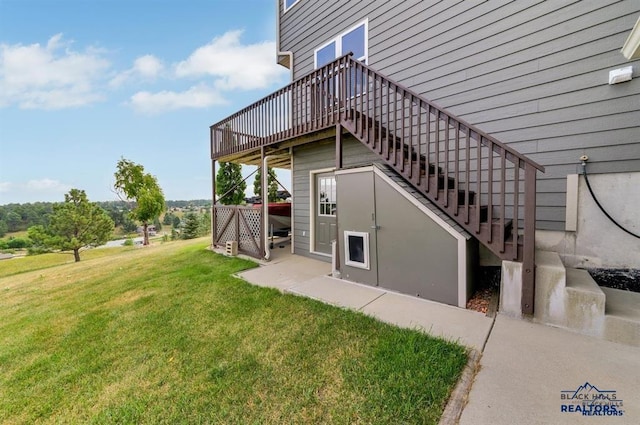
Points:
[[240, 224]]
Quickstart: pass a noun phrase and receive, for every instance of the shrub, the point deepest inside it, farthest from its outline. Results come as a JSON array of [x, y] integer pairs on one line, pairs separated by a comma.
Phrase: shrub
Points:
[[128, 242], [19, 243], [37, 250]]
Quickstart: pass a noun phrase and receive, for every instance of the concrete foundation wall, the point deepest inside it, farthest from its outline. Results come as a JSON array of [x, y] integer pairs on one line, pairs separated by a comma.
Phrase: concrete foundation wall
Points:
[[597, 242]]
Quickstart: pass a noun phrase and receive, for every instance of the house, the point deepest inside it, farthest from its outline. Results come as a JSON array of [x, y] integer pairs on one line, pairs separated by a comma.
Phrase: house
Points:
[[425, 138]]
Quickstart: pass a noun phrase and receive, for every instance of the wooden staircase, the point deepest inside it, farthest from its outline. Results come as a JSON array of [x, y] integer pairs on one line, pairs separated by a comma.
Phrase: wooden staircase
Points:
[[461, 204], [484, 185]]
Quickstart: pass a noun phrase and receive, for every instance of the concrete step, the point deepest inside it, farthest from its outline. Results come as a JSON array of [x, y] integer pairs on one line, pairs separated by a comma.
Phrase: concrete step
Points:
[[551, 277], [584, 303], [622, 319]]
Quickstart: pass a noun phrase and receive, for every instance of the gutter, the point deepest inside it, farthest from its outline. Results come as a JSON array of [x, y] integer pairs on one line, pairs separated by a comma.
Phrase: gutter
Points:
[[284, 58], [631, 47]]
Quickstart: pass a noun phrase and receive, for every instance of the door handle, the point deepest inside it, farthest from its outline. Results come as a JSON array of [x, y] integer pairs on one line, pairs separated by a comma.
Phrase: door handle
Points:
[[375, 227]]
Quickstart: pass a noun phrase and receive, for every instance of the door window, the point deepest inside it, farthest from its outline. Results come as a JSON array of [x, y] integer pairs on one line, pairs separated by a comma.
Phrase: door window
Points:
[[327, 196]]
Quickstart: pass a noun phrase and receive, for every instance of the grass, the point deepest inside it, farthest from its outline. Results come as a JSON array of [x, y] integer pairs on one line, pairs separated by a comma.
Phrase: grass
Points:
[[38, 262], [167, 335], [19, 234]]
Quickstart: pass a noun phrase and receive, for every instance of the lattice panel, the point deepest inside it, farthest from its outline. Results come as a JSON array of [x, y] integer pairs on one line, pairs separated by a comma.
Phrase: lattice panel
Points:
[[229, 232], [249, 231]]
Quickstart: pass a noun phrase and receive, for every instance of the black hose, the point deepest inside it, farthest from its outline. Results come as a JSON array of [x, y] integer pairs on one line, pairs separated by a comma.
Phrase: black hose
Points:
[[586, 179]]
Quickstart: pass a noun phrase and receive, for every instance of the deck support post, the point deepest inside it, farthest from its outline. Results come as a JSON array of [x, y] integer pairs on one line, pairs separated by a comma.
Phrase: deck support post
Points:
[[336, 252], [529, 244], [264, 195], [214, 236], [338, 146]]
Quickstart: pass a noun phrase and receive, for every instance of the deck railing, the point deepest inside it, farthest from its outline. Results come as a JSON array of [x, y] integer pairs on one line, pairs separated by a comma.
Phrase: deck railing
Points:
[[483, 184]]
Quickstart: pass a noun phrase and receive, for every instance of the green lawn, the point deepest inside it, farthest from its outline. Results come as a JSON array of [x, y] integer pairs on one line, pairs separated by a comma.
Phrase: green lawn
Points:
[[166, 334], [28, 263]]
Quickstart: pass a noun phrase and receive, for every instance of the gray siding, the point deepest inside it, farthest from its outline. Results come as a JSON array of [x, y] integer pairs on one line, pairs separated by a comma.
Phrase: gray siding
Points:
[[531, 73], [312, 157]]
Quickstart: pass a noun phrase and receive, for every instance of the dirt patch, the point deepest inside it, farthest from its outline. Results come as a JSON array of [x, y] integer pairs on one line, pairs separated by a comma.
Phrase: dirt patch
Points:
[[625, 279]]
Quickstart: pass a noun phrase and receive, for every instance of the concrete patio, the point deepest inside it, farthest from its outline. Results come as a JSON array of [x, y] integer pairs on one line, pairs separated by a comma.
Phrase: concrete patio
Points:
[[524, 366]]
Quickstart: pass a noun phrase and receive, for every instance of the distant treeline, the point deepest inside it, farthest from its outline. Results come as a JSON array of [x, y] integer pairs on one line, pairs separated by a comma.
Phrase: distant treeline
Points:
[[19, 217]]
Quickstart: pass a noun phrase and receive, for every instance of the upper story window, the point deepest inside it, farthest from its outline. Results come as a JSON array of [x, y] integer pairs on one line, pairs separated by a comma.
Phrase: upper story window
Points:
[[289, 3], [353, 40]]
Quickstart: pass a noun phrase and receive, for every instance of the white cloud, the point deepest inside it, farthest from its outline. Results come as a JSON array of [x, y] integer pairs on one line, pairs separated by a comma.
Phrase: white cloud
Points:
[[44, 190], [200, 96], [146, 67], [234, 65], [51, 76], [47, 185], [54, 76]]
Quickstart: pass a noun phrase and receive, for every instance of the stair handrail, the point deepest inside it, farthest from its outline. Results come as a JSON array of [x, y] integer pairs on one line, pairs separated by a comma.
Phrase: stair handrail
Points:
[[448, 114]]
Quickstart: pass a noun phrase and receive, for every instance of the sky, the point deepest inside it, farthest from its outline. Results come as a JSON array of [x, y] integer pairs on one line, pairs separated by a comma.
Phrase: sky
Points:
[[86, 82]]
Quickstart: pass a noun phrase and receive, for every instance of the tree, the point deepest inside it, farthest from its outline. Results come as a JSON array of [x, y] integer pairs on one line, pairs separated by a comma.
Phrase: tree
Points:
[[74, 224], [143, 188], [191, 226], [205, 222], [129, 226], [272, 184], [13, 221], [167, 219], [229, 184], [3, 228], [176, 221]]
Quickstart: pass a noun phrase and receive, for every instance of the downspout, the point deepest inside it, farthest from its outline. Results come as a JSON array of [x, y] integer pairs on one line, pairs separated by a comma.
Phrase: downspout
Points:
[[280, 53], [265, 206]]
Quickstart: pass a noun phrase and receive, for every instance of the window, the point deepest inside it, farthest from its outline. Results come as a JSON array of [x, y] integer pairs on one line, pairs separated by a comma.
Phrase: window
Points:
[[327, 196], [356, 247], [326, 54], [353, 40], [289, 3]]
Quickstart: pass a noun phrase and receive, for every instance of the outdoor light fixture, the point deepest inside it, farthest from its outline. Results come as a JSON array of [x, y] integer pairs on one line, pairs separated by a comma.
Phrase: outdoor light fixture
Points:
[[620, 75]]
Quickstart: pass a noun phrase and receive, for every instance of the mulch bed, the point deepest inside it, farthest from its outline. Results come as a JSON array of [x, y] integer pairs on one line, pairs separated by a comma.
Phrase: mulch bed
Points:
[[487, 287], [625, 279], [488, 284]]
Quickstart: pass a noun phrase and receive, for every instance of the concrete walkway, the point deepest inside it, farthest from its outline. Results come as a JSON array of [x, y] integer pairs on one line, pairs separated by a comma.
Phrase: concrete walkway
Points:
[[524, 369]]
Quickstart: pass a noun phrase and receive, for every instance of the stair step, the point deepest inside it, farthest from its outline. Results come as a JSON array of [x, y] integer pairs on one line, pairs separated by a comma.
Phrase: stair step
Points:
[[423, 168], [622, 319], [461, 198], [584, 303], [440, 181], [551, 278], [508, 225]]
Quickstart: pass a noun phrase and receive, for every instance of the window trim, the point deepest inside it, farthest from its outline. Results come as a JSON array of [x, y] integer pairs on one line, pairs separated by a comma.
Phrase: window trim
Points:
[[365, 245], [338, 46], [284, 5]]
